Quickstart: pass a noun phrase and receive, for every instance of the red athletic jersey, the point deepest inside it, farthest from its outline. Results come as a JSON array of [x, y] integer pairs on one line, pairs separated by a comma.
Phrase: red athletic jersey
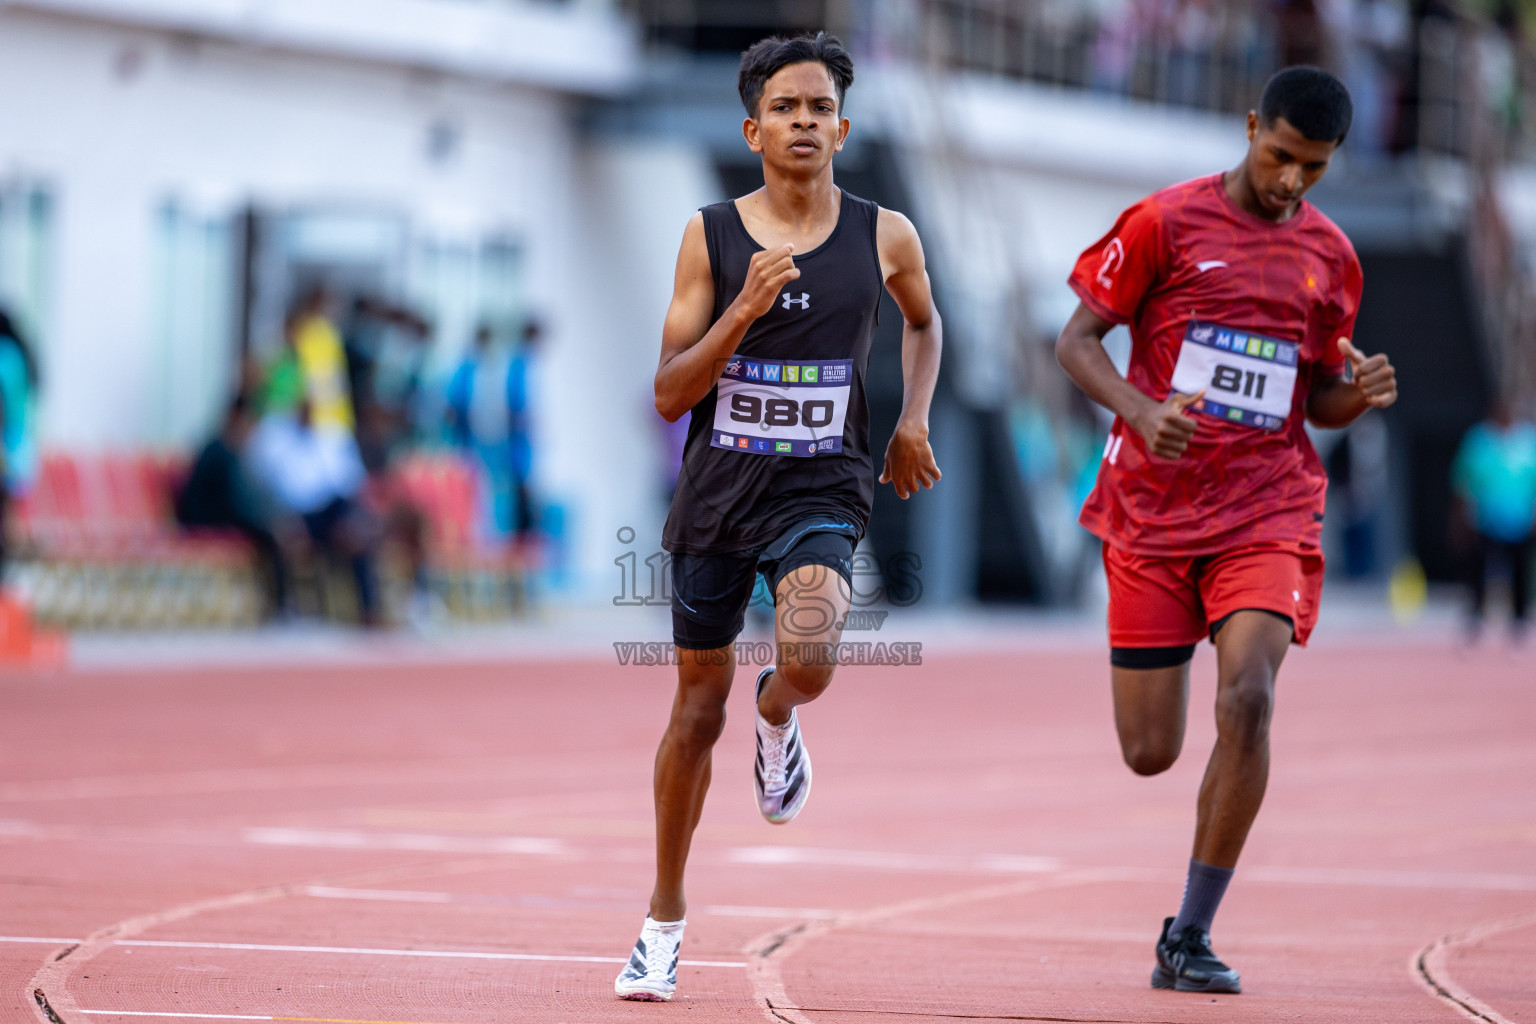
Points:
[[1188, 268]]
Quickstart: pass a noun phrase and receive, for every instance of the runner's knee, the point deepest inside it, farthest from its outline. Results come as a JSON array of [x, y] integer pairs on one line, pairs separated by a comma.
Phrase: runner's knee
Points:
[[1243, 710], [1149, 756], [809, 679], [699, 723]]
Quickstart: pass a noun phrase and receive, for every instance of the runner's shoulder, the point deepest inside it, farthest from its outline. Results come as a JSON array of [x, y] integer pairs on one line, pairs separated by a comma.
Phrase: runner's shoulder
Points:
[[892, 227], [693, 256], [1331, 237], [1169, 202]]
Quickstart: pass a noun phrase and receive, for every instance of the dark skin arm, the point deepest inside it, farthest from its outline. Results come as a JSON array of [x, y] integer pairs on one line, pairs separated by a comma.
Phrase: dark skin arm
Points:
[[1337, 401], [909, 462], [694, 352], [1165, 425]]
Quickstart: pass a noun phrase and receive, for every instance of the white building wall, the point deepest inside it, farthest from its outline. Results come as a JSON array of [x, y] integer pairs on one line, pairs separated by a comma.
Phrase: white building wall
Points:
[[218, 126], [116, 121]]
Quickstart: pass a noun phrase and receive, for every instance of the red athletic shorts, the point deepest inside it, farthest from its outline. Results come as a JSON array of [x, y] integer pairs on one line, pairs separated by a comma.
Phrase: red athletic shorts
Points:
[[1173, 602]]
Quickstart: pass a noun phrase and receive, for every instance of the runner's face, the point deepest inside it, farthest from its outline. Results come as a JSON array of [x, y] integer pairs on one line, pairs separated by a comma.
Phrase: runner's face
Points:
[[797, 127], [1283, 164]]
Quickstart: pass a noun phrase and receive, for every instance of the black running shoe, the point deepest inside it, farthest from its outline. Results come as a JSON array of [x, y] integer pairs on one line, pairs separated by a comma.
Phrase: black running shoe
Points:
[[1185, 963]]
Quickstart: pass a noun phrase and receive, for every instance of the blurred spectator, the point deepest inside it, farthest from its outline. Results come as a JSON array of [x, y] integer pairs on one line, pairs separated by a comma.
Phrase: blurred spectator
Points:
[[218, 495], [1371, 35], [1494, 478], [1499, 47], [18, 391], [1358, 488], [1192, 39], [1303, 38], [385, 346], [520, 439], [281, 382], [1114, 50], [488, 415], [1429, 20], [364, 338], [387, 498], [316, 475], [322, 361]]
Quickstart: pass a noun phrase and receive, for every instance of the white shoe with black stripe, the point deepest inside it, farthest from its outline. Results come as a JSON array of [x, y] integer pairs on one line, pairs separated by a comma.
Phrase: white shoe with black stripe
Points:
[[782, 774], [651, 974]]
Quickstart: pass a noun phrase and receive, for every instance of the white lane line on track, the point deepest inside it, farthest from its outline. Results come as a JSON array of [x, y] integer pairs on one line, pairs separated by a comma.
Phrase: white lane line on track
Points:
[[1004, 863], [891, 861], [345, 840], [1431, 967], [449, 954], [193, 1016], [812, 913], [1391, 879], [435, 953], [233, 1016], [327, 892]]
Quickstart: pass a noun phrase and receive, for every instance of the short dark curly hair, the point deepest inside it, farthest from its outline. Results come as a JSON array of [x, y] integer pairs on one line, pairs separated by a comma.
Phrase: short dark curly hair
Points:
[[1313, 101], [766, 57]]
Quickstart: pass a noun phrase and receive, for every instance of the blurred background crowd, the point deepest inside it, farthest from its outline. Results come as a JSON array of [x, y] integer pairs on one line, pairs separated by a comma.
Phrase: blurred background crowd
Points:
[[349, 308]]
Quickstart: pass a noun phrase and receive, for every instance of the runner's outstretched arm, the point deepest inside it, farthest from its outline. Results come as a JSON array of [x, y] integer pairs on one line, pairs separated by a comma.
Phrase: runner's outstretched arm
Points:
[[1080, 351], [909, 462], [1336, 402], [694, 352]]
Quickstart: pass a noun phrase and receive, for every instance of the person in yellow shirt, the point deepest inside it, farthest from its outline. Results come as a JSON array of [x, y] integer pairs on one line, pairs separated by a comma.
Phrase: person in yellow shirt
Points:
[[323, 361]]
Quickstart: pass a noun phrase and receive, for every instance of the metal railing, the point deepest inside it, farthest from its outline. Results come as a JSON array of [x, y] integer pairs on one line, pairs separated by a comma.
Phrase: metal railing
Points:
[[1213, 59]]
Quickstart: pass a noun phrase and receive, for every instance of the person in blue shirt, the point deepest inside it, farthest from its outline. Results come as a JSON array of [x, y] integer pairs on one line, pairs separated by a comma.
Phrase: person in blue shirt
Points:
[[18, 437], [488, 414], [1494, 481]]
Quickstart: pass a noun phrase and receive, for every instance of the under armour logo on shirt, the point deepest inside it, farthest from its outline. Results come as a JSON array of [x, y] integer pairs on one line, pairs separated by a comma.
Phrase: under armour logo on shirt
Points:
[[804, 300]]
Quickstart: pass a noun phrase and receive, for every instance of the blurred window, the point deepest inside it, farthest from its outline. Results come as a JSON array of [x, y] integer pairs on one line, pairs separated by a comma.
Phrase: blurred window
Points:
[[461, 283], [195, 320], [26, 237]]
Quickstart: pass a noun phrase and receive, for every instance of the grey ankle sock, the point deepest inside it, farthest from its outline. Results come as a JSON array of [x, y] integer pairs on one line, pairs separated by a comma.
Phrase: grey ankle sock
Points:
[[1204, 887]]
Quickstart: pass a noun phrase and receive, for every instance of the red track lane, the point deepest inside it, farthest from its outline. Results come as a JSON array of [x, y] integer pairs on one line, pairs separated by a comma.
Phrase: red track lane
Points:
[[447, 845]]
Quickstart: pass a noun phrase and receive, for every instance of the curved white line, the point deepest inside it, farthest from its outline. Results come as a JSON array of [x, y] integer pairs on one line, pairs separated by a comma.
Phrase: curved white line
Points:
[[768, 952], [52, 978], [1430, 967]]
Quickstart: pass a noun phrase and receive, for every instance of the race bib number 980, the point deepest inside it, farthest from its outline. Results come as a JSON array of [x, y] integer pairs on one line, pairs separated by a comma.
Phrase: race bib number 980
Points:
[[782, 408], [1247, 378]]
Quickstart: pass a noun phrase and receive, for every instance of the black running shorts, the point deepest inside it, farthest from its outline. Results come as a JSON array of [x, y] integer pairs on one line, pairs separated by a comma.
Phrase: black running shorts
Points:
[[710, 593]]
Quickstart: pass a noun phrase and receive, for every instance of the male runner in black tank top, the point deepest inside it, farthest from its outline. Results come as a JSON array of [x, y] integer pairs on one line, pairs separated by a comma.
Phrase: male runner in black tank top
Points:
[[765, 342]]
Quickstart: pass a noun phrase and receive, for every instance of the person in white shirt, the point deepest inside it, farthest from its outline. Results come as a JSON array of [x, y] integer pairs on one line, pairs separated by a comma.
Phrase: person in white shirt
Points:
[[314, 476]]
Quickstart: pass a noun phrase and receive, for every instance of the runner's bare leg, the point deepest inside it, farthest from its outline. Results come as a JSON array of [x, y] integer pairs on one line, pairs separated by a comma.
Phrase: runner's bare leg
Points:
[[1249, 650], [1150, 707], [683, 763]]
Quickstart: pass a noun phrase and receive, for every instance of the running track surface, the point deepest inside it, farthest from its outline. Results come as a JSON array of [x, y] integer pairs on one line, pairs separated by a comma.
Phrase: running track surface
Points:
[[460, 843]]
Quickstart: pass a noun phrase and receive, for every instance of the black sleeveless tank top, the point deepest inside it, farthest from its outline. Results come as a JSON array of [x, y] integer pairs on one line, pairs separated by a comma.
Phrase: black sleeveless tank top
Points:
[[735, 498]]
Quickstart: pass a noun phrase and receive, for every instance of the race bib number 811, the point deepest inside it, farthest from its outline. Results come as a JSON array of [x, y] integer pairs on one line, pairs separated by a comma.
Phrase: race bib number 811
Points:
[[782, 408], [1247, 378]]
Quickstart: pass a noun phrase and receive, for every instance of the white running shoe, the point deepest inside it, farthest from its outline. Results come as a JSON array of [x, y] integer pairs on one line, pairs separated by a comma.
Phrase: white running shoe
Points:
[[651, 974], [782, 774]]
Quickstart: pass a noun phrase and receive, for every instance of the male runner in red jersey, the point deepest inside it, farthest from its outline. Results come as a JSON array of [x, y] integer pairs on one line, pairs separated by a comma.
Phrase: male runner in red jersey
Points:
[[1241, 299]]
